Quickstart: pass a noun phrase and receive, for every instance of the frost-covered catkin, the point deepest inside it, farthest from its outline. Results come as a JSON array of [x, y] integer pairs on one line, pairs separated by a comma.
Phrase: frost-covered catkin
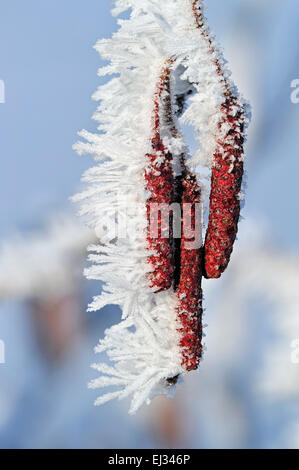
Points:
[[227, 168], [189, 290], [226, 185], [162, 54], [160, 184]]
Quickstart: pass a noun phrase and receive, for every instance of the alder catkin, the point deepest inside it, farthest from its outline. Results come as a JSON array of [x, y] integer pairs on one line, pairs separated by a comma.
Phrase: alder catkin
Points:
[[160, 183], [189, 290], [226, 182]]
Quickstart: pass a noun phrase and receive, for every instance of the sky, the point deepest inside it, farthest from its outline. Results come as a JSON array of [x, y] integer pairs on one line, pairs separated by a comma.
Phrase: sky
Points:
[[50, 72]]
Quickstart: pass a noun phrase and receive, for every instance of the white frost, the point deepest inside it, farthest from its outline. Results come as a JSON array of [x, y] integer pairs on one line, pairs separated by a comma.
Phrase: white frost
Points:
[[144, 346]]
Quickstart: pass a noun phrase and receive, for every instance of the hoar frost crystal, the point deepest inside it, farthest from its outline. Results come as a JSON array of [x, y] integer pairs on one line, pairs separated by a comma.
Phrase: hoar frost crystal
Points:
[[161, 57]]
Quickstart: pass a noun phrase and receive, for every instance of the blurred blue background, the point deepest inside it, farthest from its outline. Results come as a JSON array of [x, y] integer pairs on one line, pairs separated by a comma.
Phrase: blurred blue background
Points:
[[247, 391]]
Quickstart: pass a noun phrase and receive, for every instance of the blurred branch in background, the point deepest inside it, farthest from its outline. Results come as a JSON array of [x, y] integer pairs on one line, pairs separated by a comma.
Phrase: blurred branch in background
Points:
[[46, 269], [46, 264]]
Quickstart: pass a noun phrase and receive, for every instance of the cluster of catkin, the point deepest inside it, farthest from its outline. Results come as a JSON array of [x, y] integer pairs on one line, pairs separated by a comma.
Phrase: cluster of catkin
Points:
[[174, 264]]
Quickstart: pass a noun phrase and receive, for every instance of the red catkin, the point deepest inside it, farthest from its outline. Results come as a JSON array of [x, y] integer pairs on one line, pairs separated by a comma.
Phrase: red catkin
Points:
[[227, 174], [189, 290], [160, 183]]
